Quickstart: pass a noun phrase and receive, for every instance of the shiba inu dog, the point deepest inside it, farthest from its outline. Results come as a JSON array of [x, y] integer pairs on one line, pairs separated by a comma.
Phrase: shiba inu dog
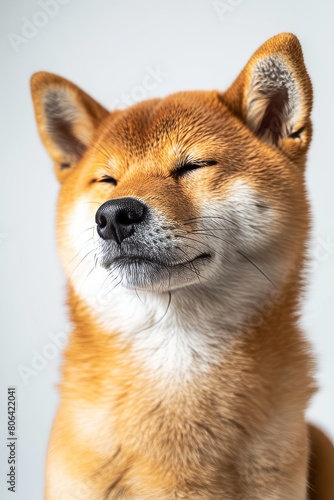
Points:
[[182, 226]]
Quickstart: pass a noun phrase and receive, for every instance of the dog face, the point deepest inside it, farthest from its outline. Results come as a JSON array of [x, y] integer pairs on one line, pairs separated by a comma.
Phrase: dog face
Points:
[[200, 189]]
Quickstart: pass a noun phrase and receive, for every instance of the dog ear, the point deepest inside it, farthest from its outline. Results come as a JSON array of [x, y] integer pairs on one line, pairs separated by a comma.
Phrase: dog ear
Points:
[[273, 95], [67, 119]]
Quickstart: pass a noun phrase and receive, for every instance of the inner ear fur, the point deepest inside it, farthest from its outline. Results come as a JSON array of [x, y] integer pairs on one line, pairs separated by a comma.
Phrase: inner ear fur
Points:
[[67, 118], [273, 95]]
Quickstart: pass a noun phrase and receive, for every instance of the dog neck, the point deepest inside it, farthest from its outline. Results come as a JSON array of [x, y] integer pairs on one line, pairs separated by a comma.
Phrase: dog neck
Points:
[[180, 334]]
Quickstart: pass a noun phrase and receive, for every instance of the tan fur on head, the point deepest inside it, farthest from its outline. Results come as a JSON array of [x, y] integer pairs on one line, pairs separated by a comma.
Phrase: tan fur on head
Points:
[[186, 374]]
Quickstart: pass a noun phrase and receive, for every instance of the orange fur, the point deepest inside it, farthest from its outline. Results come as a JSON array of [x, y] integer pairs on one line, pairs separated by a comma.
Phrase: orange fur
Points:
[[231, 424]]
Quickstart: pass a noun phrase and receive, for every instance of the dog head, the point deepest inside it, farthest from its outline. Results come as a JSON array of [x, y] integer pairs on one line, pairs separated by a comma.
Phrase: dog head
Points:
[[199, 189]]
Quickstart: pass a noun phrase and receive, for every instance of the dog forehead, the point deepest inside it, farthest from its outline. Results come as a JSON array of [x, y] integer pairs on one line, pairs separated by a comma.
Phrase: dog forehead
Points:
[[178, 120]]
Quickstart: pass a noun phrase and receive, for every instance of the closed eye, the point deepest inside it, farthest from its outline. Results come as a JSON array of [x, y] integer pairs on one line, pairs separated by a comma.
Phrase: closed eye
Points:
[[187, 166], [107, 178]]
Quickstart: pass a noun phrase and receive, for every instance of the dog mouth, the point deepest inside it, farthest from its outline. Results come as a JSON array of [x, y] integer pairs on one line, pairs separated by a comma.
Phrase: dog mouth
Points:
[[152, 272], [139, 260]]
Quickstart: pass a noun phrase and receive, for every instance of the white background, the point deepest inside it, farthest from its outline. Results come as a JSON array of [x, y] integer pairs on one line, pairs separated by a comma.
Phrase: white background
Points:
[[106, 47]]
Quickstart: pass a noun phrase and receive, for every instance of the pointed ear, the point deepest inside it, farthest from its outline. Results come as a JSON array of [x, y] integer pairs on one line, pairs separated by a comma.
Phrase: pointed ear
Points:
[[273, 95], [66, 118]]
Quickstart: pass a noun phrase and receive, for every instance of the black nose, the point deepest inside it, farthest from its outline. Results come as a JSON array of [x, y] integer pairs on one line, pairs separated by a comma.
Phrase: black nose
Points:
[[118, 219]]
